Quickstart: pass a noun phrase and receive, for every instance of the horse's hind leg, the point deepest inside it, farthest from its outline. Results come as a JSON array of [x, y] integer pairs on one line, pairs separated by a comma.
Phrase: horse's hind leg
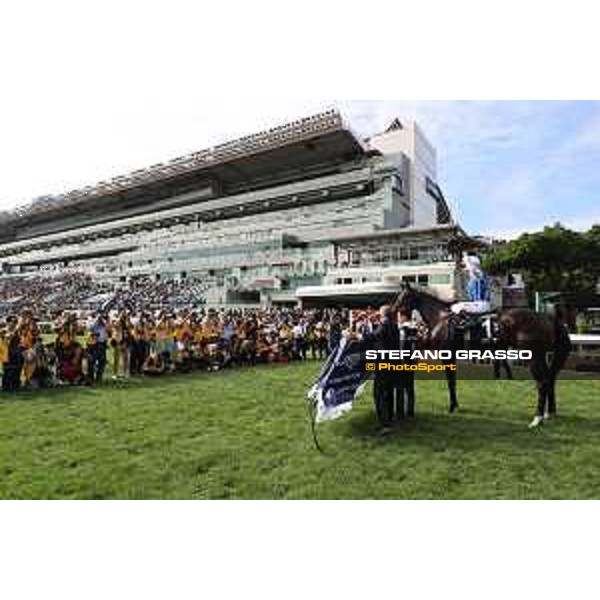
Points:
[[543, 388], [541, 374]]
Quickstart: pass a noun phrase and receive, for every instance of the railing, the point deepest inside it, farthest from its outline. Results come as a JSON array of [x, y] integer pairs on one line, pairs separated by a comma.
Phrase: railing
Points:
[[585, 340]]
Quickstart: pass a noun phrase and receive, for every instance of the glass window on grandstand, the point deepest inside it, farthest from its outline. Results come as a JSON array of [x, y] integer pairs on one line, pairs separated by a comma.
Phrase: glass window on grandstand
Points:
[[379, 257], [440, 279], [408, 254]]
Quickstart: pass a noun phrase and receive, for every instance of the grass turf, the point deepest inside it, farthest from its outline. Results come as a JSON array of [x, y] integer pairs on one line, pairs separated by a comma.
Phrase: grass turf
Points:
[[244, 434]]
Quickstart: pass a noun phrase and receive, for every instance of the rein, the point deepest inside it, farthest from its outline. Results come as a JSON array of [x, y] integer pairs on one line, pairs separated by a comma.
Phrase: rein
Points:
[[431, 308]]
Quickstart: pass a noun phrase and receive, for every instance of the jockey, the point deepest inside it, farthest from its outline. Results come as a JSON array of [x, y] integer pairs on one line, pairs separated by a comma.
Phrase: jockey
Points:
[[478, 289]]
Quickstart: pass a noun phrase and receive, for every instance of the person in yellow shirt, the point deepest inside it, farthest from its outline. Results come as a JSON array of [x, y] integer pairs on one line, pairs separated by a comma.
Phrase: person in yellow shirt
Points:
[[28, 336], [139, 346], [165, 341], [11, 369], [3, 347], [121, 341], [28, 330], [66, 330], [286, 338]]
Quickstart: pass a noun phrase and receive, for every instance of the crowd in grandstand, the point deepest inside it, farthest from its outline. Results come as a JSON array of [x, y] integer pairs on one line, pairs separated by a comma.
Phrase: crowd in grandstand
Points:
[[76, 291], [48, 294]]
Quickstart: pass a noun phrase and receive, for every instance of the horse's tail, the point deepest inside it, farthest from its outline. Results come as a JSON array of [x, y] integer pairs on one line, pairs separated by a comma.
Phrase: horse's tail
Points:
[[562, 345]]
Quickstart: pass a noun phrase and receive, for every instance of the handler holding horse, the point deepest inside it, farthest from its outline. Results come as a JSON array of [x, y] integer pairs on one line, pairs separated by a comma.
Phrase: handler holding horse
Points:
[[546, 337]]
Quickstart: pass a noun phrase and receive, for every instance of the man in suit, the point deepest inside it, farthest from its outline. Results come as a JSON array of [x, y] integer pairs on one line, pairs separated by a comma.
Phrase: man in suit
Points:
[[405, 381], [335, 332], [385, 337]]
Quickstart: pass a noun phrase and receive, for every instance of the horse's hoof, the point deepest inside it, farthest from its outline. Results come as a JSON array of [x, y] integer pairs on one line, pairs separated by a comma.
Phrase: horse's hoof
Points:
[[454, 408], [536, 423], [549, 416], [385, 432]]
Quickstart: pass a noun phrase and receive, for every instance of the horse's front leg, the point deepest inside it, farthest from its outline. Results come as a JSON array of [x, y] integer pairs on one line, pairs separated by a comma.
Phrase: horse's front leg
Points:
[[543, 396], [452, 379], [551, 408]]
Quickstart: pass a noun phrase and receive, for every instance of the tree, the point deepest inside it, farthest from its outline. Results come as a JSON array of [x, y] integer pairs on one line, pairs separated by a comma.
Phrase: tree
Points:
[[553, 260]]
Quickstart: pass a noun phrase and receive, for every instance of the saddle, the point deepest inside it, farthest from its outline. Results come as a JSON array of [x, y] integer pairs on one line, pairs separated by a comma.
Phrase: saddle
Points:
[[485, 322]]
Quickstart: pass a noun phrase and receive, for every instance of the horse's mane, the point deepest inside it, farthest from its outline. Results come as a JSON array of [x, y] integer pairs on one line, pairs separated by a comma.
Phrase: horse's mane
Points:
[[431, 298]]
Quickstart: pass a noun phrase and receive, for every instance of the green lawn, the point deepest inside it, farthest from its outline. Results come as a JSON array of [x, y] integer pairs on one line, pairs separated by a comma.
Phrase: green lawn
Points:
[[244, 434]]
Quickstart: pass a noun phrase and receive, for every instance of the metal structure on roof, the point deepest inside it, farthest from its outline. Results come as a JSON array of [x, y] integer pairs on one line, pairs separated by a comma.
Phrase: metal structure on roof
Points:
[[302, 130]]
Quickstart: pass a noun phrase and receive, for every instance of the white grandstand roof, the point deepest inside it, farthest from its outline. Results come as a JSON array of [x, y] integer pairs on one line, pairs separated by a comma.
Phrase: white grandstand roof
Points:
[[301, 131]]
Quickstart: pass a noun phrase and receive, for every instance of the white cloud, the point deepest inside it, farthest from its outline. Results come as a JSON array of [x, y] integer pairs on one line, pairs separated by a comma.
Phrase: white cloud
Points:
[[581, 223], [586, 139], [43, 153]]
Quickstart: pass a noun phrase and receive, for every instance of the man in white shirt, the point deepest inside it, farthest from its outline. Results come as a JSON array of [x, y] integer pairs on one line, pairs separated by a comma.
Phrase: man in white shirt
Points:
[[299, 333]]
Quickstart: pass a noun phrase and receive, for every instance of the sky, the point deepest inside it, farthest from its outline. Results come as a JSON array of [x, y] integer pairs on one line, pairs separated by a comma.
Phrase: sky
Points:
[[505, 166], [94, 90]]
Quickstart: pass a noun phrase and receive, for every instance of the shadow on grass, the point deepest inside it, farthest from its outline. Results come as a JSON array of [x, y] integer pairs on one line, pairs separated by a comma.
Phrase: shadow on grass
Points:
[[69, 392], [167, 381], [472, 432], [66, 392]]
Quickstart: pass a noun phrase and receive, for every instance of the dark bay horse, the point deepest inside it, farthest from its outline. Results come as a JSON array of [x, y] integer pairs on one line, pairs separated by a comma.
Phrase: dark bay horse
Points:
[[440, 334], [546, 337]]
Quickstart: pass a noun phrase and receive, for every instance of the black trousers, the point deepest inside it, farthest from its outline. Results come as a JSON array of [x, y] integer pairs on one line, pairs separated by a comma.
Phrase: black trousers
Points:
[[11, 376], [321, 348], [383, 392], [97, 363], [139, 354], [300, 348], [405, 395], [502, 364]]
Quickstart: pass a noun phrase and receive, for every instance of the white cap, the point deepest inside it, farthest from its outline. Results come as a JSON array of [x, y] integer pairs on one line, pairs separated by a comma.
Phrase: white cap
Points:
[[473, 265]]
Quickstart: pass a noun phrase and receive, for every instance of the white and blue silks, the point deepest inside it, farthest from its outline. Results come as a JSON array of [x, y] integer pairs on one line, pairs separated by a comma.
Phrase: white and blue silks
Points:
[[478, 290], [342, 380]]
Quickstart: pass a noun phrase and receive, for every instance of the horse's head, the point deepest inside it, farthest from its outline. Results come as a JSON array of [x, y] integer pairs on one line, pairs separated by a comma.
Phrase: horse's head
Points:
[[431, 308], [407, 298]]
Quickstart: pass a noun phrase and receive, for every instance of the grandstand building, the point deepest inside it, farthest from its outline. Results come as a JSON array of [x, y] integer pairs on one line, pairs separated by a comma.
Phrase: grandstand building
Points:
[[307, 212]]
